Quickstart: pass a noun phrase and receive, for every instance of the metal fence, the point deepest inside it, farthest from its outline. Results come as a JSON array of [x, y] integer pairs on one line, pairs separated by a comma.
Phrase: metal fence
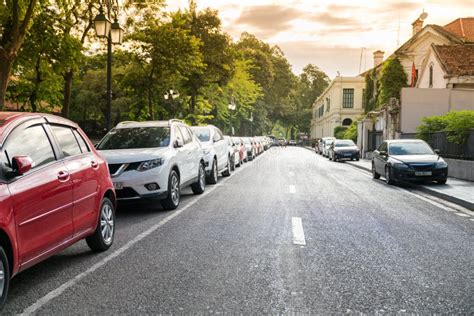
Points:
[[438, 140], [375, 139]]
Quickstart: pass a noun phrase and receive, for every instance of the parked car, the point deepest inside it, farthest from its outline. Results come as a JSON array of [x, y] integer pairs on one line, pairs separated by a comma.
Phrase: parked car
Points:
[[153, 161], [233, 152], [250, 148], [292, 142], [216, 152], [318, 146], [326, 143], [343, 149], [54, 191], [242, 150], [408, 160]]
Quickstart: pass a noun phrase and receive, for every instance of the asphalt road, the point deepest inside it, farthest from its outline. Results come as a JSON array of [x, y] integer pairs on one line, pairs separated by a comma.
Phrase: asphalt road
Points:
[[367, 247]]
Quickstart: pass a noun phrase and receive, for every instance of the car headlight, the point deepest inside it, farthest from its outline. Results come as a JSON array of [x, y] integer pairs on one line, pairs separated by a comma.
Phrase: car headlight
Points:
[[150, 164], [399, 165], [441, 164]]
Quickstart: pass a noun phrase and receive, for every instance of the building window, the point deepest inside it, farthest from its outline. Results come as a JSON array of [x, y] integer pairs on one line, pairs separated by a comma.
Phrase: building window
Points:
[[328, 104], [321, 110], [431, 75], [347, 98], [364, 104], [346, 122]]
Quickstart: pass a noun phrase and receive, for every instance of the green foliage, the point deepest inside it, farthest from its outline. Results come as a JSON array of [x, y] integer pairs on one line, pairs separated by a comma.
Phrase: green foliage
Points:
[[339, 131], [351, 132], [456, 124], [392, 80], [370, 88]]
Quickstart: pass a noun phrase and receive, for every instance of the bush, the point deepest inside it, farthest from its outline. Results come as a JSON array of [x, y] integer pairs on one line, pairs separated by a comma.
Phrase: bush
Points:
[[455, 124], [351, 132], [339, 131], [392, 80]]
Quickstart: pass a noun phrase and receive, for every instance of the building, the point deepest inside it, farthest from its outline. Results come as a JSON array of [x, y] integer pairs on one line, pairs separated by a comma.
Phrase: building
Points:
[[339, 105]]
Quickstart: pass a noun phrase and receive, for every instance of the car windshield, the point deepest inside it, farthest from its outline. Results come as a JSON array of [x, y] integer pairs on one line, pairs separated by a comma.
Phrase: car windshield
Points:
[[410, 148], [136, 137], [203, 133], [344, 143], [329, 142]]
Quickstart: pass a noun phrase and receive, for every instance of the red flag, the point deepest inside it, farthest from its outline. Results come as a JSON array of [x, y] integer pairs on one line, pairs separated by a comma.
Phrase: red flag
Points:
[[413, 74]]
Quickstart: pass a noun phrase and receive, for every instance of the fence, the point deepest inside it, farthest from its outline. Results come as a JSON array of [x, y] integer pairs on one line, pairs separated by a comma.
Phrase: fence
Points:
[[438, 140], [375, 139]]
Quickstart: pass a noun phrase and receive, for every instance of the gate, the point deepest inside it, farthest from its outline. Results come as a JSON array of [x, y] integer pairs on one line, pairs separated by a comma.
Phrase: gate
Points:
[[375, 139]]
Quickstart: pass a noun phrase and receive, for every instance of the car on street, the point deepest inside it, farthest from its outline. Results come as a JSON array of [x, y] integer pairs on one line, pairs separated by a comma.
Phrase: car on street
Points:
[[242, 151], [233, 152], [408, 160], [216, 152], [292, 142], [250, 148], [153, 161], [343, 149], [55, 190], [326, 143]]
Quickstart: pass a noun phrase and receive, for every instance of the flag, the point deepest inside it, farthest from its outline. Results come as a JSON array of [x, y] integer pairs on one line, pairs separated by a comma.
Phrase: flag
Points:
[[413, 74]]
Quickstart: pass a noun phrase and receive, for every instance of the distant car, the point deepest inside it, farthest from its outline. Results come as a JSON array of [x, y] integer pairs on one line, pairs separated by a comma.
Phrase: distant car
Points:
[[343, 149], [55, 190], [327, 142], [242, 151], [233, 152], [408, 160], [292, 142], [153, 161], [250, 148], [216, 152], [317, 147]]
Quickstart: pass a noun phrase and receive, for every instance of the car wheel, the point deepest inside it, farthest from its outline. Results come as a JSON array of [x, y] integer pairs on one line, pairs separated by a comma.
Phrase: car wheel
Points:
[[442, 181], [388, 175], [103, 236], [357, 159], [232, 164], [174, 194], [375, 175], [199, 186], [4, 277], [226, 172], [212, 178]]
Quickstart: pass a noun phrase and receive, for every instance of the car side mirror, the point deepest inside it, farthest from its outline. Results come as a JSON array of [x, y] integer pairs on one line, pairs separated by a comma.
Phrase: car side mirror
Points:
[[437, 151], [178, 143], [21, 165], [382, 153]]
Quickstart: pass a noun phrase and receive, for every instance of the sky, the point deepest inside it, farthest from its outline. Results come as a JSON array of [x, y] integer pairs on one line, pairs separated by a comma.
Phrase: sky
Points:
[[331, 34]]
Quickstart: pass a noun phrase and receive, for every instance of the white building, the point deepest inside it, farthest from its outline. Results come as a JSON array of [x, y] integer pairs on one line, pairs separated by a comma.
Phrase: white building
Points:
[[339, 105]]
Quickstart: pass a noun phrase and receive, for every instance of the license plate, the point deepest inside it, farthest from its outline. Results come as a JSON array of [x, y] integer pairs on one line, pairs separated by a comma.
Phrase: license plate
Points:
[[118, 185], [347, 155], [423, 173]]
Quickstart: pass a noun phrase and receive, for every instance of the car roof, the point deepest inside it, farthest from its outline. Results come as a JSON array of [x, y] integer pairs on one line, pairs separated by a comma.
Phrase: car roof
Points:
[[405, 141], [134, 124]]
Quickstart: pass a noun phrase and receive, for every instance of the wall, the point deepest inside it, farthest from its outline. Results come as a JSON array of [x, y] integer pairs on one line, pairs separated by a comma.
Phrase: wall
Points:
[[461, 169], [417, 103], [438, 74]]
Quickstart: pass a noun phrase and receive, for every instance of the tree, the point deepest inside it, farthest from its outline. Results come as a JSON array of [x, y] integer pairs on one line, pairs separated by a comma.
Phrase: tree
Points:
[[15, 20], [392, 80]]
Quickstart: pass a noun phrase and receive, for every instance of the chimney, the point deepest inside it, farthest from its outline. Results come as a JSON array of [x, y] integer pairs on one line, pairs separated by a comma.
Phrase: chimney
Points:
[[417, 26], [378, 57]]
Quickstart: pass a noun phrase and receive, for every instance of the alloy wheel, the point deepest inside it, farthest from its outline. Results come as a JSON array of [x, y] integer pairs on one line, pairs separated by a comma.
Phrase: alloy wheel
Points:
[[202, 177], [215, 170], [175, 189], [107, 223]]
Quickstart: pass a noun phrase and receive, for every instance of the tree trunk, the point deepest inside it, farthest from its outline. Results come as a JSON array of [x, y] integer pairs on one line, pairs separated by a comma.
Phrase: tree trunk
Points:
[[67, 93], [192, 107], [5, 69]]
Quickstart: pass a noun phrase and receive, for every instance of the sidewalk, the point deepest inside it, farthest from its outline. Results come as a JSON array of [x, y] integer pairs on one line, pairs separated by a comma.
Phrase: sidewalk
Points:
[[457, 191]]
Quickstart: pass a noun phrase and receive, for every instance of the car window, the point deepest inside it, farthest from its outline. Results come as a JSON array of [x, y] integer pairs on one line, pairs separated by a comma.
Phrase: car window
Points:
[[203, 133], [382, 147], [136, 137], [81, 141], [177, 134], [67, 141], [32, 142], [217, 135], [410, 148], [344, 143], [186, 136]]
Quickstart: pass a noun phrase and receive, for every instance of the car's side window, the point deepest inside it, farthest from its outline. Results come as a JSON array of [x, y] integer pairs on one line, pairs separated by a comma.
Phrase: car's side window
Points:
[[177, 134], [67, 141], [32, 142], [186, 136], [382, 147], [81, 141], [217, 135]]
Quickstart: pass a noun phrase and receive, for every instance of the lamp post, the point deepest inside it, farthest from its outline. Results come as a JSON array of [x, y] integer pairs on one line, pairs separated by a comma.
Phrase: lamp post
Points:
[[114, 34], [232, 107], [169, 95]]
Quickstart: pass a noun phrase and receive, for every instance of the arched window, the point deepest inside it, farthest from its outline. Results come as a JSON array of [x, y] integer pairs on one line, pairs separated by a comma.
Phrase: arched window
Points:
[[346, 122], [431, 75]]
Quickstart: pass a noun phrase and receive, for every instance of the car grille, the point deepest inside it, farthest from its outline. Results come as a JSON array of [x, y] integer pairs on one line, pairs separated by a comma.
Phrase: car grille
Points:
[[114, 167], [126, 193], [422, 166]]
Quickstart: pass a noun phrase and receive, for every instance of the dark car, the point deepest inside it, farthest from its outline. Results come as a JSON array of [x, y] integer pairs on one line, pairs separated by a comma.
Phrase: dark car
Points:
[[343, 149], [408, 160]]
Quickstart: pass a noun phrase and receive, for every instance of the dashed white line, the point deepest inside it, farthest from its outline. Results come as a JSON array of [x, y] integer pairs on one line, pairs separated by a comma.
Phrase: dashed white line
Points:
[[298, 232], [292, 189]]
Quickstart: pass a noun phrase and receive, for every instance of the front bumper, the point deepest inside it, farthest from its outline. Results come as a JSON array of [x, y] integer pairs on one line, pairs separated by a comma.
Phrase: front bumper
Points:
[[346, 155], [437, 174], [132, 185]]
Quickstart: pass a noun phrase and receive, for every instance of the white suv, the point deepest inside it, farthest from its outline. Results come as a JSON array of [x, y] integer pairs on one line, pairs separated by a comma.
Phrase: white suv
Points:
[[154, 160], [216, 151]]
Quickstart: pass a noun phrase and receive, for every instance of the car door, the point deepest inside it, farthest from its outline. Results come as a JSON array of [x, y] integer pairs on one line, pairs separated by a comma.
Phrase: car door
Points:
[[84, 172], [196, 152], [221, 148], [379, 160], [181, 155], [189, 157], [41, 198]]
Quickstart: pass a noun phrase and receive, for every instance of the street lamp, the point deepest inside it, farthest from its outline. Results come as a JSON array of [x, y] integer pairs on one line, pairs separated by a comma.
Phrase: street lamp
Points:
[[114, 34]]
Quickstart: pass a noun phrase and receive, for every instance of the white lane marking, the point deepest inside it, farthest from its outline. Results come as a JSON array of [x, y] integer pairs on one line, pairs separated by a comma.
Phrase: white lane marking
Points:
[[292, 189], [462, 215], [298, 232], [58, 291]]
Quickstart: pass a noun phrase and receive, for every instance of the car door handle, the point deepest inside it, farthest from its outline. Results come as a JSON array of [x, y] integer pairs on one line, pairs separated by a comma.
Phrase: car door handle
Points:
[[94, 164], [63, 176]]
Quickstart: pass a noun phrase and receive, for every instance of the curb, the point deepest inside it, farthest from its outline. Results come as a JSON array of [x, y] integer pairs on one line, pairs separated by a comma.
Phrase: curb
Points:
[[449, 198]]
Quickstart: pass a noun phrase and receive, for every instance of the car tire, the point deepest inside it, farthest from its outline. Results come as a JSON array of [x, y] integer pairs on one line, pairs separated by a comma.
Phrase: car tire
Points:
[[232, 164], [5, 282], [212, 178], [174, 193], [375, 175], [442, 181], [199, 186], [226, 172], [388, 176], [104, 233]]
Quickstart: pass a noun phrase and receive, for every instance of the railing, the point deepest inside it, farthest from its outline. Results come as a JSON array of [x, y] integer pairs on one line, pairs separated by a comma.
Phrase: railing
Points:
[[438, 140]]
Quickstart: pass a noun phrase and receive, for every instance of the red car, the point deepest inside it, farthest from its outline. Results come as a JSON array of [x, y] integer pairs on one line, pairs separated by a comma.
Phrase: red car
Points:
[[54, 191]]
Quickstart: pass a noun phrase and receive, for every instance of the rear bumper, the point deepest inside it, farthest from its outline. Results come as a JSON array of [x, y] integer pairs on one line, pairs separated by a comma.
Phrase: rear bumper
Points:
[[438, 174]]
